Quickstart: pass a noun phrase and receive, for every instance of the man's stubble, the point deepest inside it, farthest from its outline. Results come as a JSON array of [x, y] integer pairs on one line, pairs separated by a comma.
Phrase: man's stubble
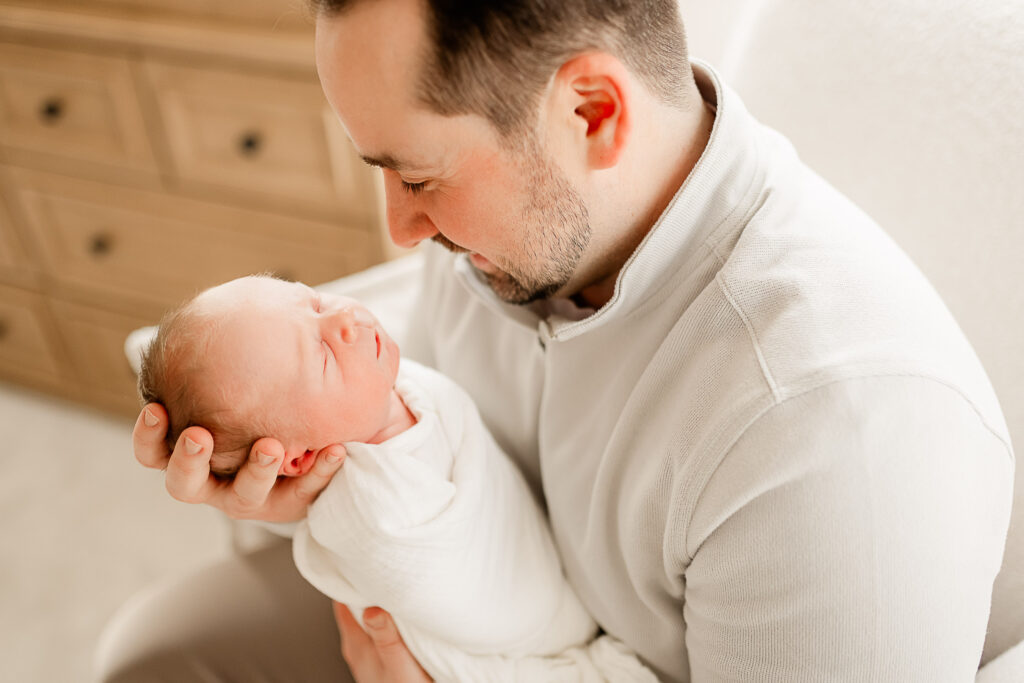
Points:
[[555, 233]]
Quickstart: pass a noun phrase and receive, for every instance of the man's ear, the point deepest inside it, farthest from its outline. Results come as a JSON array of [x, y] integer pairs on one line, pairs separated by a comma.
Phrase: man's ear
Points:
[[594, 89]]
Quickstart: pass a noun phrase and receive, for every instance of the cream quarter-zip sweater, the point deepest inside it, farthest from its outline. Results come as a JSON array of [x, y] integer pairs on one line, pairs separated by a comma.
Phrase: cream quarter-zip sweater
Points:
[[773, 455]]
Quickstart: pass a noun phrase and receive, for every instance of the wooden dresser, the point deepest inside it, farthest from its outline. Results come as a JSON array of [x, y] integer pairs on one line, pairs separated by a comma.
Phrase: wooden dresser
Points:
[[149, 149]]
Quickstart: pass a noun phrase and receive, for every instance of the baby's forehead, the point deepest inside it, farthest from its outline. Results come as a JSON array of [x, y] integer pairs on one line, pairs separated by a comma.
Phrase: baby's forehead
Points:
[[250, 330], [252, 290], [239, 306]]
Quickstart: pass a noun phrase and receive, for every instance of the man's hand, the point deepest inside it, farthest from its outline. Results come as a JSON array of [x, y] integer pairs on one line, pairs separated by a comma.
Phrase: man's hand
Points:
[[252, 494], [378, 654]]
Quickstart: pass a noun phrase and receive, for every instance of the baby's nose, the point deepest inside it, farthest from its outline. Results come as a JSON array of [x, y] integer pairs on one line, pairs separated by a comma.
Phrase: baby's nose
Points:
[[346, 321], [346, 324]]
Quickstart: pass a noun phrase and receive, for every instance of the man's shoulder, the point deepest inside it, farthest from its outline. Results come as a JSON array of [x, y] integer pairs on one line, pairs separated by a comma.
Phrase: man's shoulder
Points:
[[825, 293]]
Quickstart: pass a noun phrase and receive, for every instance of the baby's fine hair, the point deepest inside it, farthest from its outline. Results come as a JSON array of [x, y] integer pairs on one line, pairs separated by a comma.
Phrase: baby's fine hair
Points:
[[171, 374]]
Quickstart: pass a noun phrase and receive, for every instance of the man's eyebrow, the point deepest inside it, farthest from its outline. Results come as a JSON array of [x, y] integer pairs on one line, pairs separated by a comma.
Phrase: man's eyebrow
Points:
[[387, 161]]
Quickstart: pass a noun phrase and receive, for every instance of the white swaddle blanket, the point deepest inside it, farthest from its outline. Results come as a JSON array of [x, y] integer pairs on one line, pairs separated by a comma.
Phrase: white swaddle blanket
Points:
[[438, 527]]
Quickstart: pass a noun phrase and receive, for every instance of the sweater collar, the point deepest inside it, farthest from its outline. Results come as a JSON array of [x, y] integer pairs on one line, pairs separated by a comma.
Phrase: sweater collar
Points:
[[709, 203]]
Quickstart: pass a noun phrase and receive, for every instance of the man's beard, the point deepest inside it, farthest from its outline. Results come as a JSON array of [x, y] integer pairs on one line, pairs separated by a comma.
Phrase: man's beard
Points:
[[556, 233]]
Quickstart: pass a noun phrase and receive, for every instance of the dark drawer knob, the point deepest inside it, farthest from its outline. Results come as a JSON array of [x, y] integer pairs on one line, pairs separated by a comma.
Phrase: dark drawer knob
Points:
[[101, 244], [4, 329], [52, 110], [250, 143]]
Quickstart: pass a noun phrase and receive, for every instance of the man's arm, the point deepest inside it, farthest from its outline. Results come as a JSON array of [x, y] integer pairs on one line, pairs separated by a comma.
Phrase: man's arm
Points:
[[851, 534]]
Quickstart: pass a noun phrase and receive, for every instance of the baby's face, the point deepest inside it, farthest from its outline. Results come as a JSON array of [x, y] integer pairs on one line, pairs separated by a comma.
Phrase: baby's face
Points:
[[311, 368]]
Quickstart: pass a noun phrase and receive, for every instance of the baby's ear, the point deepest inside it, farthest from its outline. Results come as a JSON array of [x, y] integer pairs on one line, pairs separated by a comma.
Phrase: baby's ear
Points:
[[297, 463]]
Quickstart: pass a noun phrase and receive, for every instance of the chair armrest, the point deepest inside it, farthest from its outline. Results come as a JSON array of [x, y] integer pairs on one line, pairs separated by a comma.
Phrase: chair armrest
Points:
[[1006, 668]]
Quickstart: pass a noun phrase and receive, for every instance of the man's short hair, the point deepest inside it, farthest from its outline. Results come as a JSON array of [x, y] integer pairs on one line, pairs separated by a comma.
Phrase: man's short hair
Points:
[[494, 58]]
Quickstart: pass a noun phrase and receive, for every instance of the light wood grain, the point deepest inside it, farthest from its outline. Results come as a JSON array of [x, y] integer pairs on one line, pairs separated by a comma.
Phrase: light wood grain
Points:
[[27, 349], [71, 105], [109, 244], [257, 13], [267, 138], [98, 28], [95, 344]]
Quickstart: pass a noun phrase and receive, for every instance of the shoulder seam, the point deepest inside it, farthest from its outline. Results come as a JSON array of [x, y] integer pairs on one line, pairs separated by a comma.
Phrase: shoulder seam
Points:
[[752, 334]]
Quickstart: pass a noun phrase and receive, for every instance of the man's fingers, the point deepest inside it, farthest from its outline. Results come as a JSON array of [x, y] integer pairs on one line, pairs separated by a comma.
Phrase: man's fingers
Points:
[[254, 481], [148, 437], [391, 649], [381, 628], [354, 641], [328, 461], [379, 653], [188, 472]]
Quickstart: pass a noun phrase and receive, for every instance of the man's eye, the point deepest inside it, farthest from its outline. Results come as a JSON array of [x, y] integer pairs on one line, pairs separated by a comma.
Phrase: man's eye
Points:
[[413, 188]]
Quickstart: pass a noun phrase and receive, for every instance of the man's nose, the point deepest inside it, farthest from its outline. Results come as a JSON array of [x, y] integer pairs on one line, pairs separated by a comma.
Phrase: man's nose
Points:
[[407, 222]]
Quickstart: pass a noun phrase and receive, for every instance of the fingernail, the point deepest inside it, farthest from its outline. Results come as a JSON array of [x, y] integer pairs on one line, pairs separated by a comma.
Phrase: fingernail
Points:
[[264, 458], [332, 458], [192, 447], [375, 620], [149, 418]]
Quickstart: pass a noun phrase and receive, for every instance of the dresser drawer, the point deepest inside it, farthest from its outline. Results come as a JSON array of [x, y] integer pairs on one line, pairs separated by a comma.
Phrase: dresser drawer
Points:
[[16, 262], [12, 257], [266, 13], [95, 343], [274, 139], [70, 106], [28, 352], [116, 244]]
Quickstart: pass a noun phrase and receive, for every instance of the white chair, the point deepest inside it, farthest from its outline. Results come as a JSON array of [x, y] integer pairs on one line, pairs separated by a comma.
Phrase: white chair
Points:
[[915, 110], [716, 31]]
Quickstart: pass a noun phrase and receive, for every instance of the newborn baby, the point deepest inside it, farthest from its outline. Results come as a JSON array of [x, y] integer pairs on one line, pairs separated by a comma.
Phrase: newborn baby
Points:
[[427, 518]]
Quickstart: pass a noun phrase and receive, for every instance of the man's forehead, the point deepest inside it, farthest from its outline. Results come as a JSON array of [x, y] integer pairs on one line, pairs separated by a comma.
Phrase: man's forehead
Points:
[[369, 59], [373, 50]]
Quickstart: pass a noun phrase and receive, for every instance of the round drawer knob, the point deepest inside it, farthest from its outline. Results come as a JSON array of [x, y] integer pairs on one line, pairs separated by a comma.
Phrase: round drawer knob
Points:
[[250, 143], [51, 110], [101, 244]]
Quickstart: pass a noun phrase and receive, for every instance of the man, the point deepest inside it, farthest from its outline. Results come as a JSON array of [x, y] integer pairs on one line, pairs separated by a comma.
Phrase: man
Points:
[[766, 450]]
